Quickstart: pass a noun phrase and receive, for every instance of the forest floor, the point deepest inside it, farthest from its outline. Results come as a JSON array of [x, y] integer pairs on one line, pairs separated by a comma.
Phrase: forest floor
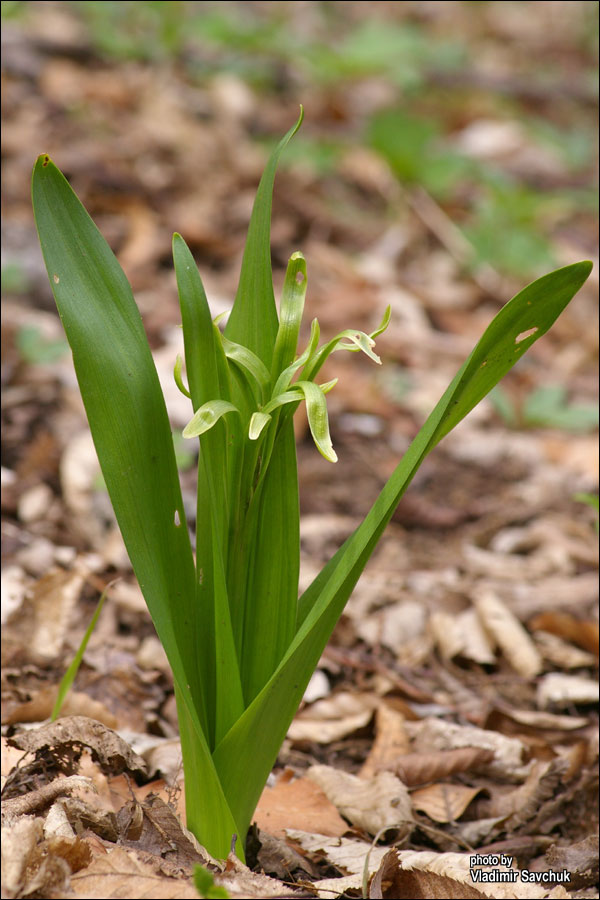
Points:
[[457, 700]]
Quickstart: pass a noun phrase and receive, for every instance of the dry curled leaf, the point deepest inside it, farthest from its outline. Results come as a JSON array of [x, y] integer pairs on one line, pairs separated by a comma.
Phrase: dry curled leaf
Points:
[[391, 741], [333, 717], [580, 859], [462, 635], [41, 798], [106, 747], [562, 653], [346, 854], [419, 768], [408, 873], [374, 803], [507, 763], [523, 803], [509, 634], [556, 689], [76, 703], [564, 625]]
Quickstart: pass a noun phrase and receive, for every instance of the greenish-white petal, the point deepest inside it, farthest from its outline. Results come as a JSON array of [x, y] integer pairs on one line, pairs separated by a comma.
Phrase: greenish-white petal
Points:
[[205, 417]]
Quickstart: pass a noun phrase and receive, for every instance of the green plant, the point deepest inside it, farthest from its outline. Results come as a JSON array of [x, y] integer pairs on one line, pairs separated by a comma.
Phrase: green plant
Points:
[[546, 406], [69, 676], [241, 645], [205, 885]]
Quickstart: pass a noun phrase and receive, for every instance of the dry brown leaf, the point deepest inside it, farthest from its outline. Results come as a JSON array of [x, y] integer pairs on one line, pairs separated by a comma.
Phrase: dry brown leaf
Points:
[[297, 804], [434, 734], [344, 853], [333, 717], [54, 597], [408, 873], [580, 859], [124, 874], [375, 803], [10, 757], [76, 704], [243, 884], [523, 803], [391, 741], [561, 653], [444, 802], [110, 750], [394, 625], [419, 768], [153, 827], [556, 689], [584, 634], [509, 634], [534, 719], [19, 841], [462, 635]]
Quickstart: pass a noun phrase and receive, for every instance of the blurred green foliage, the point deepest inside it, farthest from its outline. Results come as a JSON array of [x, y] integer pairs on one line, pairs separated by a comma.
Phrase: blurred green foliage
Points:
[[37, 349], [505, 219], [546, 407], [508, 219], [14, 279]]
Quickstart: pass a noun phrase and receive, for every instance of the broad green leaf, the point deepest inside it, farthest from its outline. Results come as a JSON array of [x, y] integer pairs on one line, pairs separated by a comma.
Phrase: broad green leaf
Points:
[[217, 664], [253, 319], [132, 435], [272, 590], [266, 720]]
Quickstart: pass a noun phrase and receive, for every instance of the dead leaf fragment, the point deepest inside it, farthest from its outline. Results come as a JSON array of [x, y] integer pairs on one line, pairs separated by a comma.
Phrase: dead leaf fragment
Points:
[[419, 768], [374, 803], [561, 653], [333, 717], [344, 853], [76, 703], [123, 874], [297, 804], [462, 635], [435, 734], [444, 802], [110, 750], [580, 859], [408, 873], [522, 804], [54, 597], [583, 633], [41, 798], [18, 843], [391, 741], [509, 634], [556, 689]]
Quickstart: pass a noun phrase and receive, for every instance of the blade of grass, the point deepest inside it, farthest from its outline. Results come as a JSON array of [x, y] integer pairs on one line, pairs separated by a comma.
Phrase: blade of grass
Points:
[[69, 676]]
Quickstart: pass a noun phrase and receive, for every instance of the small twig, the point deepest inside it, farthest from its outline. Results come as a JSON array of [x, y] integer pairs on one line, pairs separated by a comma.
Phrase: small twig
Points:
[[40, 799]]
